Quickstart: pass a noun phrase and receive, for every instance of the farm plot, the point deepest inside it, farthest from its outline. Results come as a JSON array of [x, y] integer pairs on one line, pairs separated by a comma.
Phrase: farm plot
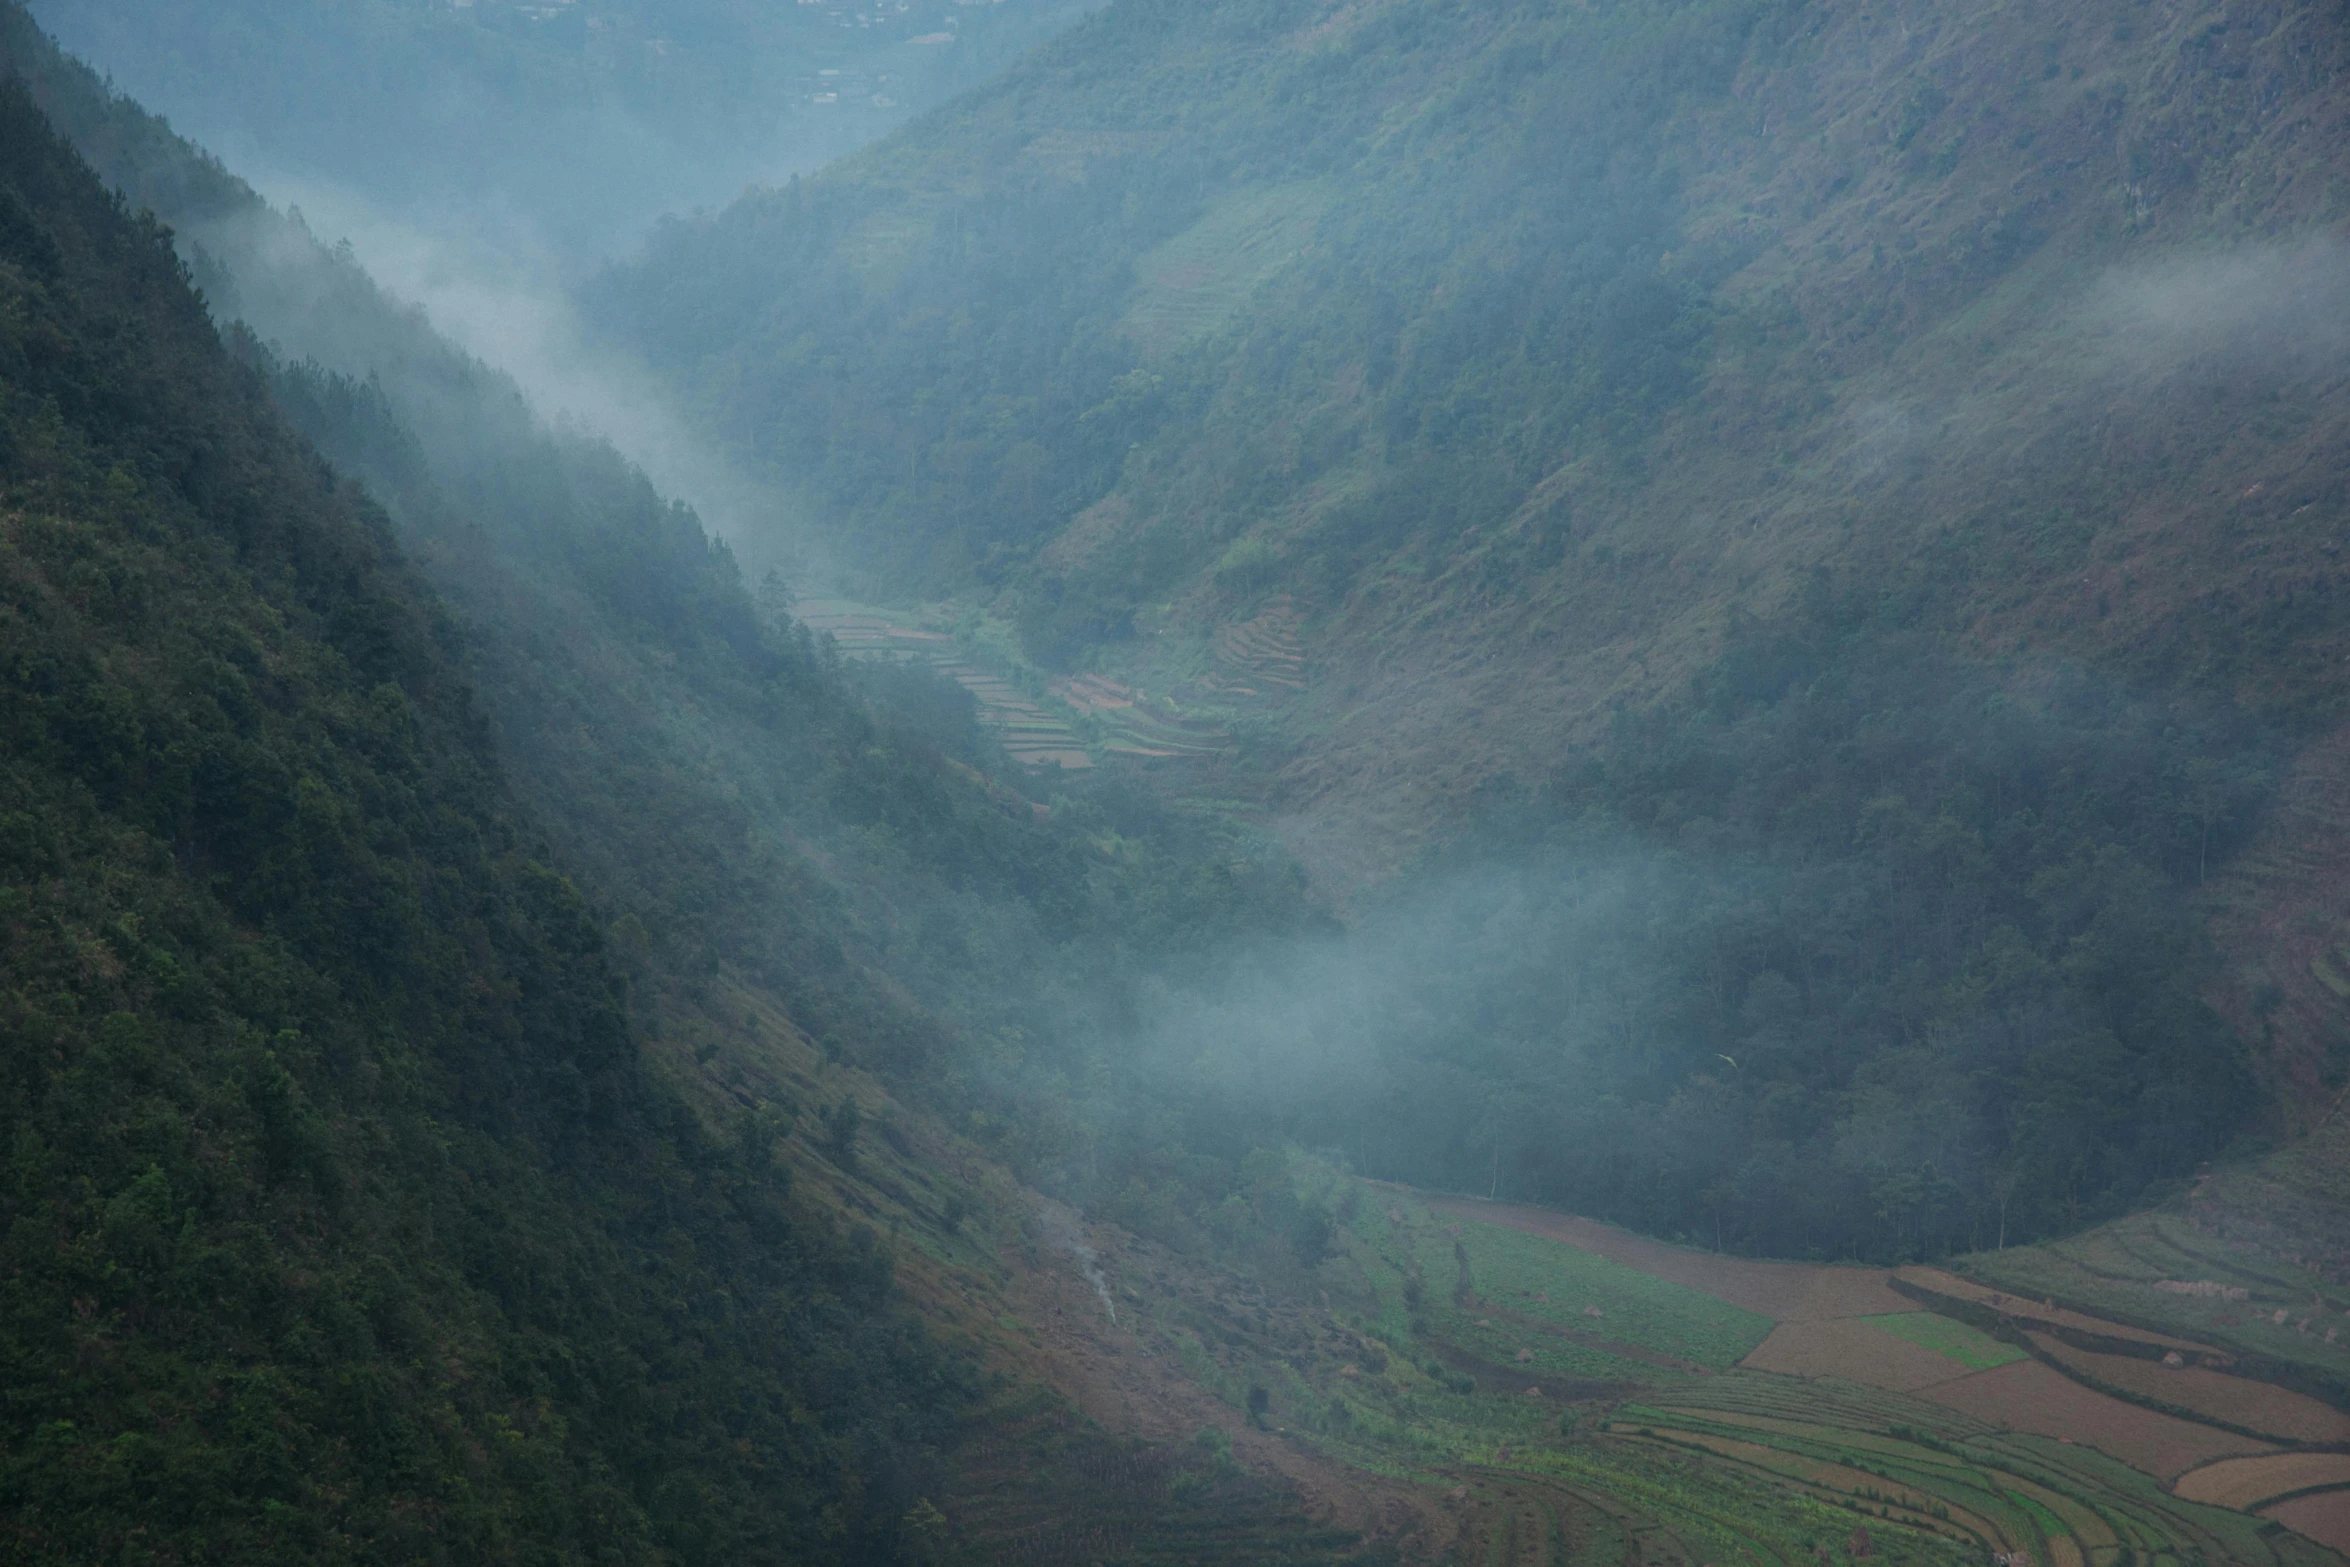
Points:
[[2029, 1309], [2259, 1407], [2246, 1483], [2189, 1273], [1029, 733], [2028, 1396], [1523, 1291], [1261, 656], [1193, 284], [1843, 1416], [2324, 1517], [1783, 1291], [1889, 1352], [1934, 1470], [1951, 1339]]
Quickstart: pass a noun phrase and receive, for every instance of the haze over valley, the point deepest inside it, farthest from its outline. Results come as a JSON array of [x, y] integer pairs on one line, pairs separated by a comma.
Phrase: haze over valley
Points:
[[1408, 781]]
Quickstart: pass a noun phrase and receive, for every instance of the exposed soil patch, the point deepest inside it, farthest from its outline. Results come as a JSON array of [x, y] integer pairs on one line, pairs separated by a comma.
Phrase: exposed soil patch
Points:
[[2029, 1396], [2324, 1518], [1788, 1291], [2256, 1406], [2245, 1483], [1852, 1348], [2026, 1311]]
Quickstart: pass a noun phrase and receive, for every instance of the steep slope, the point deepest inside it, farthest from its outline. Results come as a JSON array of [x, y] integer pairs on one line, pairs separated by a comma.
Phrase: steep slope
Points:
[[1520, 347], [751, 807], [1756, 444], [345, 1222]]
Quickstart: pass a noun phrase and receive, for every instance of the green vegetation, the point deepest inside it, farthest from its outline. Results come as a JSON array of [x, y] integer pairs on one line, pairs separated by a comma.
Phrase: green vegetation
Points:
[[1854, 769], [1951, 1339], [463, 984], [1882, 1456], [1395, 1352], [1464, 214], [344, 1221], [1861, 949], [1542, 1283]]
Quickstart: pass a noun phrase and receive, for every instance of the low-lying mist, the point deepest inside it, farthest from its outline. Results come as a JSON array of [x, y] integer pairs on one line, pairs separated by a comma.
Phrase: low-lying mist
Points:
[[1870, 950], [502, 299]]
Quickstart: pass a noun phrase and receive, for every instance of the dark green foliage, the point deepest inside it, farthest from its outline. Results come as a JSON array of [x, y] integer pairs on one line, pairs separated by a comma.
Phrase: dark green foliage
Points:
[[341, 1219], [842, 1123], [743, 800]]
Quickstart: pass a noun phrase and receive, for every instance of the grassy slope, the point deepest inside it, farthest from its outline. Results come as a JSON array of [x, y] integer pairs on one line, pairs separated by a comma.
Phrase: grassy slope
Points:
[[1040, 346]]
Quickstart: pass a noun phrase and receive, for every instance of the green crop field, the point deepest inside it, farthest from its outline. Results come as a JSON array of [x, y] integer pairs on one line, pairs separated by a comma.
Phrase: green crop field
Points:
[[1635, 1433], [1950, 1339], [1523, 1284]]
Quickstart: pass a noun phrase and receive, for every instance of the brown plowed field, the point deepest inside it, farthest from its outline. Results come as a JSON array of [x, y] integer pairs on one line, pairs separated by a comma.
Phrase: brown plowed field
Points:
[[2257, 1406], [2026, 1309], [2324, 1518], [2029, 1396], [1788, 1291], [2245, 1483], [1851, 1348]]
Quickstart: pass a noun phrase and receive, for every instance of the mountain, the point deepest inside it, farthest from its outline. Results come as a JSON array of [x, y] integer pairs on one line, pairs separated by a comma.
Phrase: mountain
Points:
[[347, 1220], [571, 125], [843, 965], [1861, 929], [1510, 353], [1851, 497]]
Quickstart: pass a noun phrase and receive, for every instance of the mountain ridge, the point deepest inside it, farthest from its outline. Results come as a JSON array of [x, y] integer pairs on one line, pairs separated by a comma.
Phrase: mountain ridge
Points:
[[1850, 186]]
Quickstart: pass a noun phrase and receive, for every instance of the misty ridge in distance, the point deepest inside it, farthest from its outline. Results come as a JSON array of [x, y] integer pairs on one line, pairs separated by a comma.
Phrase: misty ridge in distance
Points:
[[481, 158], [555, 133]]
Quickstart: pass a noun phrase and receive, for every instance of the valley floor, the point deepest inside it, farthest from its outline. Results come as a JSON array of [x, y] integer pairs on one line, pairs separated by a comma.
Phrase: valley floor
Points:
[[1477, 1382]]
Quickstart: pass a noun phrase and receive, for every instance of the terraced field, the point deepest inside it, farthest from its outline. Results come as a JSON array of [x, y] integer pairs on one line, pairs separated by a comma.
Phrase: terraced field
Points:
[[1198, 281], [2255, 1263], [1524, 1389], [1030, 733], [1139, 726], [1076, 719], [1845, 1420], [1261, 656]]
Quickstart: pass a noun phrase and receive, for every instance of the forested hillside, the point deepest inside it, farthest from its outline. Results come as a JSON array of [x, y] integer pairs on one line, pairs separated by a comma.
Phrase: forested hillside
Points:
[[1520, 348], [755, 809], [1790, 606], [345, 1221], [1868, 483]]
